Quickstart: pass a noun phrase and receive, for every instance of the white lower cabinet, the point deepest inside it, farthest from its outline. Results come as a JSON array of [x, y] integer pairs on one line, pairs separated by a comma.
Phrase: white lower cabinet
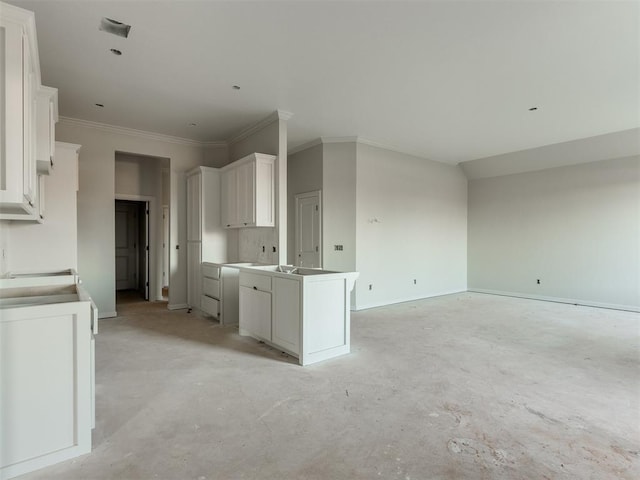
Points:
[[194, 261], [210, 299], [286, 314], [47, 386], [255, 312]]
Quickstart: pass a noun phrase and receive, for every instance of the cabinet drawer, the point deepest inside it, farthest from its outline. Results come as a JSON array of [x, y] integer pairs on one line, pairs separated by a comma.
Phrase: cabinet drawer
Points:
[[210, 305], [211, 287], [260, 282], [211, 271]]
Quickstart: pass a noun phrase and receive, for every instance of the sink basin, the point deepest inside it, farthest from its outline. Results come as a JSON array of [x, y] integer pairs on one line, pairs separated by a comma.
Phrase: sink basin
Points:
[[286, 269]]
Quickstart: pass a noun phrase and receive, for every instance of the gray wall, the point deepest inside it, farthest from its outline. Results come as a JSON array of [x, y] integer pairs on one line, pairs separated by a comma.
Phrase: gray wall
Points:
[[411, 225], [339, 206], [304, 174], [575, 228], [51, 245], [96, 227], [143, 176]]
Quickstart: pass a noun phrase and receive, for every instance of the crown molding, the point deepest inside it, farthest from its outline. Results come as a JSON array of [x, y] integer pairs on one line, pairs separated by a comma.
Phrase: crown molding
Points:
[[132, 132], [251, 129], [392, 148], [354, 139], [339, 139], [221, 143], [275, 116], [304, 146]]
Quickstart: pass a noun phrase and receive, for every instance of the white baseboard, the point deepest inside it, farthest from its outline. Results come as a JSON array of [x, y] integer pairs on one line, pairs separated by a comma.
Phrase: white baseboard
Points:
[[107, 314], [177, 306], [358, 308], [572, 301]]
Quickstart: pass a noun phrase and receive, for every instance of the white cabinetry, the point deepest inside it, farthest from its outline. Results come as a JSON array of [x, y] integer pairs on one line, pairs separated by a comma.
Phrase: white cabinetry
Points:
[[211, 286], [206, 239], [46, 119], [23, 127], [305, 313], [47, 386], [255, 306], [286, 314], [248, 192], [229, 198]]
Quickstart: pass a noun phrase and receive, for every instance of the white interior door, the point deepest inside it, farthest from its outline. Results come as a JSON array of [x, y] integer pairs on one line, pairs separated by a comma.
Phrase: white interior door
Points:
[[309, 229], [126, 219]]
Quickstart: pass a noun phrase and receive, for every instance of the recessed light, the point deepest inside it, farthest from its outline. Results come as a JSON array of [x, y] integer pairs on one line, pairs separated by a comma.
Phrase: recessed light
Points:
[[236, 87], [193, 124], [533, 109], [99, 105], [115, 51], [115, 27]]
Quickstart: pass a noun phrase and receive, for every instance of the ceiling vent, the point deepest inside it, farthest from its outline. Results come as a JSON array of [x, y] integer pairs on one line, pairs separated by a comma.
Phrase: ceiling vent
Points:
[[113, 26]]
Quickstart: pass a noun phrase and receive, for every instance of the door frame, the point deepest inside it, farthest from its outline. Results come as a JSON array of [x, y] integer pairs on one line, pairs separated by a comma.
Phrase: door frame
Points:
[[152, 253], [296, 230], [166, 252]]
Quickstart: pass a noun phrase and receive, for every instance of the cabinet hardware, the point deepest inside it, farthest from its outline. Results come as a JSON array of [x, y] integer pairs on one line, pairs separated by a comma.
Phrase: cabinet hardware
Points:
[[255, 288]]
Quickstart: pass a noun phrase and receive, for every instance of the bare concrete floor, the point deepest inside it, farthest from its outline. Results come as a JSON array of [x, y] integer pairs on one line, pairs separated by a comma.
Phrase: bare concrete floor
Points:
[[459, 387]]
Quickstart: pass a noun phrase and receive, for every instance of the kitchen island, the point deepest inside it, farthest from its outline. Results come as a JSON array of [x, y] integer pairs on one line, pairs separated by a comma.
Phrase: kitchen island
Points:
[[304, 312]]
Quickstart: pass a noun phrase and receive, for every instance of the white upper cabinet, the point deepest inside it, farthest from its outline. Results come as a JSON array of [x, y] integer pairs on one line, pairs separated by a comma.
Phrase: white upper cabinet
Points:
[[229, 198], [46, 119], [248, 192], [22, 128]]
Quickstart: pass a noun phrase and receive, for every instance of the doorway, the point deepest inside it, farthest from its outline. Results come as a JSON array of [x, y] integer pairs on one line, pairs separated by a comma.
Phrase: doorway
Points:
[[308, 229], [132, 250]]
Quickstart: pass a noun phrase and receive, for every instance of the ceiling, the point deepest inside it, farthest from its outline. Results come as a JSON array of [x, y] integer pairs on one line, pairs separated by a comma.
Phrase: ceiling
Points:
[[449, 81]]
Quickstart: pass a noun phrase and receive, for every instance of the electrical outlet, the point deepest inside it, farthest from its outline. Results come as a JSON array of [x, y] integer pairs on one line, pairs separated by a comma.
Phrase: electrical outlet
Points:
[[415, 282], [338, 248], [371, 286], [538, 281]]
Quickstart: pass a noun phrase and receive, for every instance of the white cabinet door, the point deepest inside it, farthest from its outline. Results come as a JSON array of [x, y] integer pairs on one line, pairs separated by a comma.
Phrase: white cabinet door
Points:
[[194, 199], [246, 195], [40, 199], [264, 188], [255, 312], [28, 98], [286, 314], [248, 192], [194, 275], [230, 198], [45, 386], [46, 118], [19, 80]]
